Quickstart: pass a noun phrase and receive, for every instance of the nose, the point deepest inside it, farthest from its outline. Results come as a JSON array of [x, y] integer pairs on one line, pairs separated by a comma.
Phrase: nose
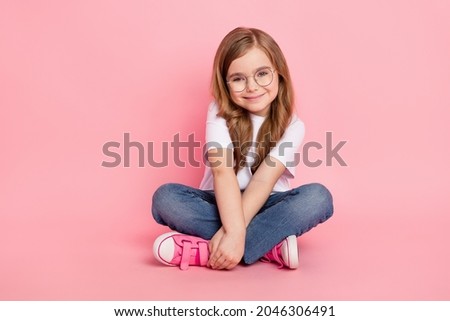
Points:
[[252, 85]]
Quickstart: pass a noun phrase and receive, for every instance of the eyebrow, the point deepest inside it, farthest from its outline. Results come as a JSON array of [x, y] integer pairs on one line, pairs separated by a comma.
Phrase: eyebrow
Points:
[[255, 71]]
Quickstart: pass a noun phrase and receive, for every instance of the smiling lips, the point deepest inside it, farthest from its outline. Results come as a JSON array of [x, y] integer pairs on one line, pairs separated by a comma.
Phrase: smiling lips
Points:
[[252, 98]]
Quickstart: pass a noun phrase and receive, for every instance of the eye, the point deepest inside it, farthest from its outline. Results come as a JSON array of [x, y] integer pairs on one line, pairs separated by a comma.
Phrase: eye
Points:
[[262, 73], [237, 79]]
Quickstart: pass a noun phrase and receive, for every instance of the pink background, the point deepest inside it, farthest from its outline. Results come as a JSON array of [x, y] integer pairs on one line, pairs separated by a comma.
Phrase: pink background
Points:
[[77, 74]]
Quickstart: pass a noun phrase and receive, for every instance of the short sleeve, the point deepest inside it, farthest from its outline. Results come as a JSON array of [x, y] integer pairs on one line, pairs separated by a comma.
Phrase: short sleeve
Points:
[[217, 134], [286, 149]]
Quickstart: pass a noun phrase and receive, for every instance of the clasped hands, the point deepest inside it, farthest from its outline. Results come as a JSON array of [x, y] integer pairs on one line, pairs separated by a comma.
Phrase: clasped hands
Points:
[[226, 249]]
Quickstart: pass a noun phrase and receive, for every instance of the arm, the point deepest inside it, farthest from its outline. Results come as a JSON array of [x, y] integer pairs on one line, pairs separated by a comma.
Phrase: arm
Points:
[[227, 245], [236, 212], [270, 170], [260, 187]]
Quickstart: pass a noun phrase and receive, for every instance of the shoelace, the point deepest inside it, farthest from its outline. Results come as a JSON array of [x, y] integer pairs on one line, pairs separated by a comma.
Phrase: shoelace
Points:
[[196, 253], [274, 255]]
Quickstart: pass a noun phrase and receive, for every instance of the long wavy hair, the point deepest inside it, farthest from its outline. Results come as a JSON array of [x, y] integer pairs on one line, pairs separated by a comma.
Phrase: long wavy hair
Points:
[[236, 44]]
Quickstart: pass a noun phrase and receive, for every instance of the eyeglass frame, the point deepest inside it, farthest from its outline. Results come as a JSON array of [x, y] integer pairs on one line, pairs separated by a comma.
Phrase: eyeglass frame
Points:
[[254, 78]]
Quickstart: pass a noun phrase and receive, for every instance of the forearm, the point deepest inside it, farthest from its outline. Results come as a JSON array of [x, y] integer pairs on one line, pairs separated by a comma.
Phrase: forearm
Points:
[[253, 198], [227, 245], [229, 202], [260, 187], [226, 189]]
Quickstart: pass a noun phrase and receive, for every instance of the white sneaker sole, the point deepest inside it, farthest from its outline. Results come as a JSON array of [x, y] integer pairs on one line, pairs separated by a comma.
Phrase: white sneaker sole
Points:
[[164, 248], [289, 252]]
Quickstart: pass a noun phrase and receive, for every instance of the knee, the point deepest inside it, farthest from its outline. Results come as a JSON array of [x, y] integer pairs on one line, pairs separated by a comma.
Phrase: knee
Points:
[[161, 198], [321, 199], [163, 192], [316, 200]]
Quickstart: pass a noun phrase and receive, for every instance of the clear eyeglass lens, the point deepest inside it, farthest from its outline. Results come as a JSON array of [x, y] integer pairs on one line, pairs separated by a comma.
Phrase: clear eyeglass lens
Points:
[[262, 77]]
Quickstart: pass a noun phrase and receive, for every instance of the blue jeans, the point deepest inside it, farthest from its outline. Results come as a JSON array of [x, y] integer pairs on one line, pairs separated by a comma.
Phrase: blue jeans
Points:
[[193, 211]]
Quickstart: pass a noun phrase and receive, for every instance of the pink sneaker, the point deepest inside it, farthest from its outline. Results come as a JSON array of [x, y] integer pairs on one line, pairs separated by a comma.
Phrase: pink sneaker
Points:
[[284, 253], [174, 249]]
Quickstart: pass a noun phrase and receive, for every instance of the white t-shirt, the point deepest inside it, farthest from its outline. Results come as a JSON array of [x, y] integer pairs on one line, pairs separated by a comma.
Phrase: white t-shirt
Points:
[[217, 136]]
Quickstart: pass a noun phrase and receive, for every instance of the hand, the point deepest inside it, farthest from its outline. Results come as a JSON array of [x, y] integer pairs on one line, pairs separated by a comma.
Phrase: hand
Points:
[[215, 240], [226, 249]]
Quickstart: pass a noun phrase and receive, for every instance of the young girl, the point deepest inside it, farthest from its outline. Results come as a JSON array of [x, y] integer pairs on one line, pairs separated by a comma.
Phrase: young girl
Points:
[[244, 209]]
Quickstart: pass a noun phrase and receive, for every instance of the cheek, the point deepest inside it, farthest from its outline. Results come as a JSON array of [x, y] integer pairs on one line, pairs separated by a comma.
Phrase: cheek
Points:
[[234, 97], [274, 87]]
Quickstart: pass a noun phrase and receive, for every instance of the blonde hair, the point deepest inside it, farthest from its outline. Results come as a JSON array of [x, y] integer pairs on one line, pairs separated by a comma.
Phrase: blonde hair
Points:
[[236, 44]]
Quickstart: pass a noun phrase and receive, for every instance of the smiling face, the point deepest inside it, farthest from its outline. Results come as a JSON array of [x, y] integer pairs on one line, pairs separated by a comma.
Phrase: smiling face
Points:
[[254, 98]]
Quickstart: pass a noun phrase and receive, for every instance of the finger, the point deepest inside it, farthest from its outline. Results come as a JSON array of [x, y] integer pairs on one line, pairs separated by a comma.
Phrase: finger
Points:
[[219, 262], [216, 265], [213, 259], [223, 263], [211, 246], [213, 255], [230, 265]]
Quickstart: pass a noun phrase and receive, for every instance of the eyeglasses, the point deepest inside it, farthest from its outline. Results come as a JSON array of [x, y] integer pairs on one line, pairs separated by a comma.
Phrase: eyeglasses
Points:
[[263, 77]]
